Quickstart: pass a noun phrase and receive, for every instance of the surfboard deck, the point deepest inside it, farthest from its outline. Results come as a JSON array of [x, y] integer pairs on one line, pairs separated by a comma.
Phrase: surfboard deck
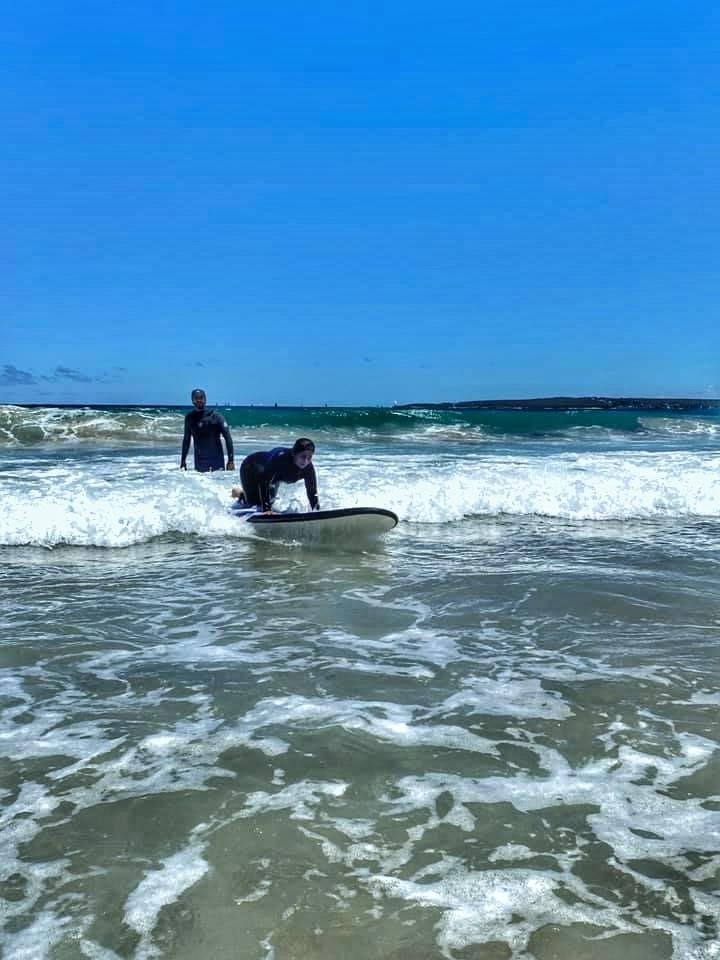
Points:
[[346, 523]]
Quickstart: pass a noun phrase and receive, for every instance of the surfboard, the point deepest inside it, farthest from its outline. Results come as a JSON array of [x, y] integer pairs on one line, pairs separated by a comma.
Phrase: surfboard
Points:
[[348, 523]]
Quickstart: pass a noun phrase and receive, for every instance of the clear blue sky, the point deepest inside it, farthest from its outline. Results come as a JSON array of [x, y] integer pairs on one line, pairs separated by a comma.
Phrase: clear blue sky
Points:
[[368, 202]]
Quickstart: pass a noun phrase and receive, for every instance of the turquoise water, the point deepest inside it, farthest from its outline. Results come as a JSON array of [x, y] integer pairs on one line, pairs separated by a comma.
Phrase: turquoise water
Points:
[[492, 734], [33, 425]]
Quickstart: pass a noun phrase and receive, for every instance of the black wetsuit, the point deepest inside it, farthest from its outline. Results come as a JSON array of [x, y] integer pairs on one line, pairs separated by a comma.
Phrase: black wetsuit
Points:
[[262, 472], [206, 427]]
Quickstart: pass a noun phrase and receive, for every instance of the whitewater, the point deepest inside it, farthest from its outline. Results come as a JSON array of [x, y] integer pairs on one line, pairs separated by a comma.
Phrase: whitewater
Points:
[[492, 734]]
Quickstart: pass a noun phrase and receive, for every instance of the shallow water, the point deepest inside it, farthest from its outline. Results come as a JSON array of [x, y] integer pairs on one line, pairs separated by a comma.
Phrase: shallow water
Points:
[[493, 734]]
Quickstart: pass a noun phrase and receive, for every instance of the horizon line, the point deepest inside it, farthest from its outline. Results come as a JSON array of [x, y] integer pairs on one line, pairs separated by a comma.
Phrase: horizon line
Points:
[[585, 399]]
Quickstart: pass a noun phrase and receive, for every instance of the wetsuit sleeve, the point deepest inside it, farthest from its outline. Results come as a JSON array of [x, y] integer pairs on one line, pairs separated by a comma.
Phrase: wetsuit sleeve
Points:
[[225, 431], [311, 485], [186, 440]]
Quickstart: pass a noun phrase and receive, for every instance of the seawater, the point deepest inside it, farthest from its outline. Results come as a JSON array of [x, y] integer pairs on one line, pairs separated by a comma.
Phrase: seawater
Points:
[[493, 734]]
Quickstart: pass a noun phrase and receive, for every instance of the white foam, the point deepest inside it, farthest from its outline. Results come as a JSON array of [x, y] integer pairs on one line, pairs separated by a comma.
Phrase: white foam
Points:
[[299, 798], [20, 823], [385, 721], [706, 698], [681, 426], [46, 736], [114, 505], [495, 905], [599, 486], [625, 804], [636, 817], [95, 952], [416, 644], [514, 696], [262, 890], [158, 889], [126, 499], [511, 851], [36, 942], [182, 758]]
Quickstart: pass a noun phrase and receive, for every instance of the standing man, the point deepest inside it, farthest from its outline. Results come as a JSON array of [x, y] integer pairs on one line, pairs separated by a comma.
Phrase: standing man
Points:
[[205, 428]]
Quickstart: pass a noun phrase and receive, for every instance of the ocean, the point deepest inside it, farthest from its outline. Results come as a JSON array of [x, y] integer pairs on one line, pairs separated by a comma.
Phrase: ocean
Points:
[[493, 734]]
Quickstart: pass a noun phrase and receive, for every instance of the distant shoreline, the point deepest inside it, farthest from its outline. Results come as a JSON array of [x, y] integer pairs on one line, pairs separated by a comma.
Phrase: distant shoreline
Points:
[[572, 403], [539, 404]]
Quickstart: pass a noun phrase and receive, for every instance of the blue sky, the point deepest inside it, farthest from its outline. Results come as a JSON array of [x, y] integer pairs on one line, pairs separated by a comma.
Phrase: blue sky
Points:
[[379, 203]]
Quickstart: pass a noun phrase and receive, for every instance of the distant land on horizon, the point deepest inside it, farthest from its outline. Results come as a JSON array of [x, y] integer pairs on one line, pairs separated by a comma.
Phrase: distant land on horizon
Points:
[[678, 404], [572, 403]]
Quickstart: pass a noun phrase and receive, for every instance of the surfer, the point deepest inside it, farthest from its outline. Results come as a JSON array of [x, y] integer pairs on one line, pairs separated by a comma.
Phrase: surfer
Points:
[[262, 472], [205, 427]]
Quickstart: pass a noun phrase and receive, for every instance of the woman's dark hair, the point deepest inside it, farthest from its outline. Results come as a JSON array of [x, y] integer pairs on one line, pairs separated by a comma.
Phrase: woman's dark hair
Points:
[[302, 445]]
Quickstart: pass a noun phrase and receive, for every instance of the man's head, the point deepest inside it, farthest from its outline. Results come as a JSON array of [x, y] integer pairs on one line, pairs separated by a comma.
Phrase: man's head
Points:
[[198, 398], [302, 451]]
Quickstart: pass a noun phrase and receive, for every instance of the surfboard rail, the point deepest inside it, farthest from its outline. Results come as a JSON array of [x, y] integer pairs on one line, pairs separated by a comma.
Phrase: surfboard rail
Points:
[[321, 515], [344, 522]]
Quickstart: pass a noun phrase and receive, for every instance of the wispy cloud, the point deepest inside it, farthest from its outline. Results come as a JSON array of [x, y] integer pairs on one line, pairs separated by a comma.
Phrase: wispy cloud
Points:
[[67, 373], [114, 375], [11, 376]]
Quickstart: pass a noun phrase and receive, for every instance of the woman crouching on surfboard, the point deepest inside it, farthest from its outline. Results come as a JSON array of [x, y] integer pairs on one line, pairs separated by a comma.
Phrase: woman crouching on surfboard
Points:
[[261, 473]]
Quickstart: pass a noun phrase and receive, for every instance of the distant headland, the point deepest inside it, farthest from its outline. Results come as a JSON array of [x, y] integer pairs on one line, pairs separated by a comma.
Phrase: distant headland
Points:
[[573, 403], [558, 404]]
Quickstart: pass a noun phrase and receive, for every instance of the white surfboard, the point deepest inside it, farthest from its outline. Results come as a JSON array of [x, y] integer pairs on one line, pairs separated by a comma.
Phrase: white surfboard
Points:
[[350, 523]]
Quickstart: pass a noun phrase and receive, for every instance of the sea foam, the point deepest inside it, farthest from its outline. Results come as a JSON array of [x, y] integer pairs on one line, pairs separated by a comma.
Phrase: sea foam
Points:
[[117, 502]]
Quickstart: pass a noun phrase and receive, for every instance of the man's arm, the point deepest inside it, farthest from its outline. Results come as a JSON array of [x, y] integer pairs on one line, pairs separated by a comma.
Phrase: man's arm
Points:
[[225, 430], [185, 444]]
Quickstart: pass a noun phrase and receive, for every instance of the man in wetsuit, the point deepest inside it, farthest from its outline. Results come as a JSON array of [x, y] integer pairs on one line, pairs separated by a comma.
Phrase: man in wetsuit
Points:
[[261, 473], [205, 427]]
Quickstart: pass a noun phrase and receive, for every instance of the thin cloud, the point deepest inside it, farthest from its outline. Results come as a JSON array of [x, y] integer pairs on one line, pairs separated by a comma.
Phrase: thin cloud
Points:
[[114, 375], [67, 373], [11, 376]]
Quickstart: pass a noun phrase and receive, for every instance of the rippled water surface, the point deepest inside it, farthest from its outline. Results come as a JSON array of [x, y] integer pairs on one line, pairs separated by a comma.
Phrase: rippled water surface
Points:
[[493, 734]]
